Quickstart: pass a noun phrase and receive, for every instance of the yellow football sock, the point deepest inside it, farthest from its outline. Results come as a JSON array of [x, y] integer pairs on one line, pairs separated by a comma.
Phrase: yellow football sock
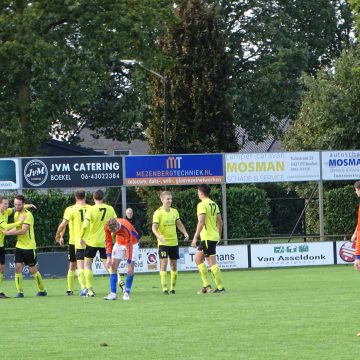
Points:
[[89, 279], [70, 280], [19, 282], [163, 280], [173, 277], [81, 279], [39, 281], [216, 272], [204, 274]]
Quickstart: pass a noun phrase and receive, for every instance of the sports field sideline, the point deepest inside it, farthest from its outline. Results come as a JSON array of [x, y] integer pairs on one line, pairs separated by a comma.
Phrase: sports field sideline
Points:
[[297, 313]]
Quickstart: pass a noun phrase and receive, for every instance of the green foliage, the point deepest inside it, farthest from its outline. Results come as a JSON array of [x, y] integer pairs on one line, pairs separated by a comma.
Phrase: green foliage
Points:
[[273, 43], [199, 109], [340, 210], [248, 212], [47, 216], [57, 67], [248, 209], [329, 117]]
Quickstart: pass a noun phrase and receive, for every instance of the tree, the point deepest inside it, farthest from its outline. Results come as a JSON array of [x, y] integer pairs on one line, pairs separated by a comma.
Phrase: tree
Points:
[[57, 67], [330, 111], [273, 42], [199, 105]]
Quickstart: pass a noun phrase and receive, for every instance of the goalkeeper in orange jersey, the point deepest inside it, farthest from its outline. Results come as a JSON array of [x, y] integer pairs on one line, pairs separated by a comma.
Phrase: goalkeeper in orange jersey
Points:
[[126, 247]]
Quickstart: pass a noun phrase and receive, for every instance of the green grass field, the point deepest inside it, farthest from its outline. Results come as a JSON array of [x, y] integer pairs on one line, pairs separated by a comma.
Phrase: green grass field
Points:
[[298, 313]]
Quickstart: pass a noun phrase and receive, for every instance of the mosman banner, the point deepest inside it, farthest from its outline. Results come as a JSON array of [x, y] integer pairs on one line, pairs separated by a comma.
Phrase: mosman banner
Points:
[[158, 170], [9, 174], [341, 165], [272, 167], [70, 172], [292, 254]]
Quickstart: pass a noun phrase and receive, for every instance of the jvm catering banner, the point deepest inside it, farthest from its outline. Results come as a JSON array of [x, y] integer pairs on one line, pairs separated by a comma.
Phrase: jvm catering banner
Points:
[[272, 167]]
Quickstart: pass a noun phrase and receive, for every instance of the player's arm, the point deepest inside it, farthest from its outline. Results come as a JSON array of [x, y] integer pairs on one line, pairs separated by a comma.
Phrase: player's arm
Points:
[[155, 230], [219, 224], [85, 228], [5, 226], [109, 241], [181, 227], [353, 236], [199, 227], [22, 231], [59, 236], [30, 206]]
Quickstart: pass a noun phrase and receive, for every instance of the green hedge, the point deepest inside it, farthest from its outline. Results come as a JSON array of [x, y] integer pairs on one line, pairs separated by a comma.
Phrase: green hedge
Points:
[[247, 206], [340, 210]]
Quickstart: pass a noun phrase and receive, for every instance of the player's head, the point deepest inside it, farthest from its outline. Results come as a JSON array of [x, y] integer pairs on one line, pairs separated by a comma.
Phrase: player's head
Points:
[[98, 195], [113, 225], [129, 213], [204, 191], [357, 187], [80, 194], [19, 202], [4, 203], [166, 198]]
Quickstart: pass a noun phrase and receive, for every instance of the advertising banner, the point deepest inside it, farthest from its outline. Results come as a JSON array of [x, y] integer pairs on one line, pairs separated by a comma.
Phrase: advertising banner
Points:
[[9, 174], [345, 252], [177, 169], [54, 264], [292, 254], [228, 257], [272, 167], [341, 165], [69, 172]]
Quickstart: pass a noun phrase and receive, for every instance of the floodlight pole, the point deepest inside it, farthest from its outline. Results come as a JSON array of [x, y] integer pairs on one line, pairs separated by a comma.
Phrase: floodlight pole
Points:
[[165, 97]]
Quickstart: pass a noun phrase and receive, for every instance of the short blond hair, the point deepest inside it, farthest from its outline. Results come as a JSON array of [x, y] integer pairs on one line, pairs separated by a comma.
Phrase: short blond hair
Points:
[[165, 193], [113, 224]]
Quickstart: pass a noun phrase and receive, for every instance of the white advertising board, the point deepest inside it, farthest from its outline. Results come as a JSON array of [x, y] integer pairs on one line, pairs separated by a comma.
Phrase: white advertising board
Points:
[[341, 165], [272, 167], [292, 254], [345, 252], [228, 257]]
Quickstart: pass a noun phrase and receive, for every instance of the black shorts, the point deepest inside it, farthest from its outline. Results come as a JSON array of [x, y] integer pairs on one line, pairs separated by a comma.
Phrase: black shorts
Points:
[[171, 252], [90, 252], [2, 255], [80, 254], [25, 256], [71, 255], [208, 247]]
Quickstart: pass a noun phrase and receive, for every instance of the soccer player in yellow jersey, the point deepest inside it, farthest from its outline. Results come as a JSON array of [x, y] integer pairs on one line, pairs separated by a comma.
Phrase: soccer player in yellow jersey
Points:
[[25, 248], [209, 228], [165, 221], [5, 212], [74, 217], [93, 236]]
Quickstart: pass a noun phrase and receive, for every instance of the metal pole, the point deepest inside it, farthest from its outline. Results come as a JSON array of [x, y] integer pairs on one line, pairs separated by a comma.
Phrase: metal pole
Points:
[[123, 200], [321, 201], [321, 210], [165, 113], [224, 208]]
